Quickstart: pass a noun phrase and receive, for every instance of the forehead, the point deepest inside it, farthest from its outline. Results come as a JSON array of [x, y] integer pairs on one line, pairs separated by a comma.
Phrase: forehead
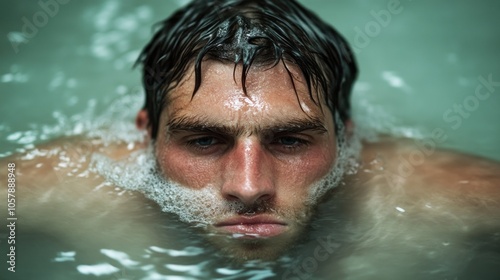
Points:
[[271, 92]]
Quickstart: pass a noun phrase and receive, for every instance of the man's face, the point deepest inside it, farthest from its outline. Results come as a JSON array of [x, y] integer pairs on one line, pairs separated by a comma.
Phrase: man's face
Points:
[[259, 153]]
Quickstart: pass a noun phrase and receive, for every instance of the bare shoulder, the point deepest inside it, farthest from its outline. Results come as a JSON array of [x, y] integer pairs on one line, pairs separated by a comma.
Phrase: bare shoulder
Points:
[[56, 192], [436, 206], [412, 161], [430, 184], [59, 161], [61, 166]]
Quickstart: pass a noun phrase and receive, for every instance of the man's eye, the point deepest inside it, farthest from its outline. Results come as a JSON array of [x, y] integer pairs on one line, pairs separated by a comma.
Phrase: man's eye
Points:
[[203, 142], [289, 143], [206, 145]]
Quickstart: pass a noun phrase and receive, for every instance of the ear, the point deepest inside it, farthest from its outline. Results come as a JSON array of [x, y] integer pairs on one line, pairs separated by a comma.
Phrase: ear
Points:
[[142, 121]]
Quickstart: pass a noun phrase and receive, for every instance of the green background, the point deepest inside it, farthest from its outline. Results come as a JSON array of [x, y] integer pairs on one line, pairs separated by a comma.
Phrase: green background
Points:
[[415, 65]]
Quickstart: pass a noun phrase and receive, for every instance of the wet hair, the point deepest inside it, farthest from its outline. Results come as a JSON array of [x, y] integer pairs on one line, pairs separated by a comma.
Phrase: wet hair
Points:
[[247, 32]]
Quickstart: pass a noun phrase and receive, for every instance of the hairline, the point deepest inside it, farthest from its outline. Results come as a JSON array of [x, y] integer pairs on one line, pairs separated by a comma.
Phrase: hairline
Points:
[[189, 72]]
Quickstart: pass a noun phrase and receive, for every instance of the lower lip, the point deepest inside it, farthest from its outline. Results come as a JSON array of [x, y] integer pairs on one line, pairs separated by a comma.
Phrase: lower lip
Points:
[[255, 230]]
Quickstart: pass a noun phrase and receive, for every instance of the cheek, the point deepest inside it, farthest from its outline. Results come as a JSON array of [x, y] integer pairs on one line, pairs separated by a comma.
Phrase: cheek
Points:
[[301, 174], [182, 169]]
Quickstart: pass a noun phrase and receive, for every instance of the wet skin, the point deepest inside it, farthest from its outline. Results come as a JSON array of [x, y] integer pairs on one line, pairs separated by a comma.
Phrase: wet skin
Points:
[[262, 150], [259, 148]]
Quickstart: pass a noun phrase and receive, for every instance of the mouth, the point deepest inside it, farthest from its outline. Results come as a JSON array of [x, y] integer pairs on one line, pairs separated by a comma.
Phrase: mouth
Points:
[[252, 226]]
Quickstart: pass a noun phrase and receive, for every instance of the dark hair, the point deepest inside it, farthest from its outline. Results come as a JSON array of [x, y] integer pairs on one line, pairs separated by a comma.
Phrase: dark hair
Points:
[[247, 32]]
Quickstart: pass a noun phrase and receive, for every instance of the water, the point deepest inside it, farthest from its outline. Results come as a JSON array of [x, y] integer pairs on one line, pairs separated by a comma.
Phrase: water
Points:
[[73, 75], [420, 63]]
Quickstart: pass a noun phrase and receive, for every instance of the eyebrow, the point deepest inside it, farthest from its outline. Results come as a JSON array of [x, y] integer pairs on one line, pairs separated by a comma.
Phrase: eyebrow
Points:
[[203, 125]]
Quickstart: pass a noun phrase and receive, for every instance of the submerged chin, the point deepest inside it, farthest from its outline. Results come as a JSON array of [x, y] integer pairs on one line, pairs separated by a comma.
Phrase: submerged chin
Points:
[[245, 244], [255, 250]]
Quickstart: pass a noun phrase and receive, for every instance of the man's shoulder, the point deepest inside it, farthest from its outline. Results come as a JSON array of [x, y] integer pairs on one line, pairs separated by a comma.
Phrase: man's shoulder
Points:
[[57, 193], [68, 154], [61, 166], [403, 170], [411, 159]]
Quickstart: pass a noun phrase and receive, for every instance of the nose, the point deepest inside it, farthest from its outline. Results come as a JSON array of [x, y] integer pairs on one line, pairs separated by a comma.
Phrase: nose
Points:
[[248, 173]]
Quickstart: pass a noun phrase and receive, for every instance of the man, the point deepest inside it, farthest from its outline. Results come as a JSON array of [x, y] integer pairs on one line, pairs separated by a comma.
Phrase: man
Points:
[[254, 108], [248, 129]]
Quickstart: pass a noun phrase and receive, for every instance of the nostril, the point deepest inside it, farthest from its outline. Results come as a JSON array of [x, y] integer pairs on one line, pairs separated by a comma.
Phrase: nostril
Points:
[[248, 199], [231, 197], [263, 199]]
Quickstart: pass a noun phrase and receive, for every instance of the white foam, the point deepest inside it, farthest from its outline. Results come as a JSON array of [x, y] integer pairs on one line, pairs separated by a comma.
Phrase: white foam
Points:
[[139, 173], [202, 206]]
